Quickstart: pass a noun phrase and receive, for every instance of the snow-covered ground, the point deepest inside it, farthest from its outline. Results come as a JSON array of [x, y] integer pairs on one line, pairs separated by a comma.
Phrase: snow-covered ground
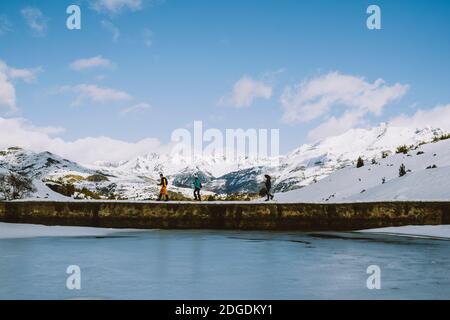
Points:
[[427, 179], [137, 178], [43, 192], [45, 169], [441, 231], [14, 231], [314, 162]]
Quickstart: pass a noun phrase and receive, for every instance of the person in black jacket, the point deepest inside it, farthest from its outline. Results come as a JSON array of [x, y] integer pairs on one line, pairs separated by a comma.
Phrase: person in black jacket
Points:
[[268, 184]]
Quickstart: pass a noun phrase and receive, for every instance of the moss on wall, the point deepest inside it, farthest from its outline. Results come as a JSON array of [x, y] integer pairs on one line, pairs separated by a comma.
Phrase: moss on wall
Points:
[[239, 216]]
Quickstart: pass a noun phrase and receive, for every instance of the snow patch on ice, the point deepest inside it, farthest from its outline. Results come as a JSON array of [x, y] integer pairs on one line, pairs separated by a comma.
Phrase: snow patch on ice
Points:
[[440, 231], [15, 231]]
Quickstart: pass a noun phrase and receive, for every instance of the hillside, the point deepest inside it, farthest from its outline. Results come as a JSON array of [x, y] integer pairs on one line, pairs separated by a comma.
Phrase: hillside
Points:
[[53, 177], [307, 170], [427, 178], [301, 167]]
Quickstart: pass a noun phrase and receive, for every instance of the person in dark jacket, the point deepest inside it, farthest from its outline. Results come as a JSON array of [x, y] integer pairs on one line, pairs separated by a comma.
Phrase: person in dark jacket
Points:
[[197, 188], [163, 183], [268, 184]]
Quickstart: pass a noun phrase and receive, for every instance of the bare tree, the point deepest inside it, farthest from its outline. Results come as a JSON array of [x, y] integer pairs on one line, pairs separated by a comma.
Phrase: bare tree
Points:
[[14, 186]]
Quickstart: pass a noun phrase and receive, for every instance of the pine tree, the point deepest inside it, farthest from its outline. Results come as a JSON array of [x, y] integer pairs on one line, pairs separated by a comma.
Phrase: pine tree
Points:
[[403, 149], [360, 163], [402, 170]]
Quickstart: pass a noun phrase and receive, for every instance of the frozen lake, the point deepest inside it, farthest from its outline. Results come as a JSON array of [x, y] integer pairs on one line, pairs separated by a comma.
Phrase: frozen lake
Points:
[[224, 265]]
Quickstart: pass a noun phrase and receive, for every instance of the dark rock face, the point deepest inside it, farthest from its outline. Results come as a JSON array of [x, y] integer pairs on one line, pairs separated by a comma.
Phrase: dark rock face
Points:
[[231, 215], [245, 181], [185, 179]]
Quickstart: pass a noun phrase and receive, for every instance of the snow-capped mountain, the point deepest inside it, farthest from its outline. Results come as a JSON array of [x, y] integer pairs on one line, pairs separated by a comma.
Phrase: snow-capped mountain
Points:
[[426, 177], [311, 163], [137, 178], [56, 178], [302, 166], [38, 165]]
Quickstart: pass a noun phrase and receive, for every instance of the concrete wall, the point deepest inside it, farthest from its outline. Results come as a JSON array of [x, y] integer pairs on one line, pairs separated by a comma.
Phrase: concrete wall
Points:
[[243, 216]]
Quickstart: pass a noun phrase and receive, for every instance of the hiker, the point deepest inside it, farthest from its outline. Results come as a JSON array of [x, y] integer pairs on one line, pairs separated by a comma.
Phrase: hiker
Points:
[[268, 184], [163, 191], [197, 188]]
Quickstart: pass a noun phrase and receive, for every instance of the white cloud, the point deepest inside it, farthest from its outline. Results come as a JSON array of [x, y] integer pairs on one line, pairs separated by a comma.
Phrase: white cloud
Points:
[[315, 98], [148, 37], [245, 91], [116, 6], [7, 93], [5, 25], [437, 117], [27, 75], [136, 108], [19, 132], [7, 89], [89, 63], [36, 20], [111, 28], [336, 125], [95, 93], [51, 131]]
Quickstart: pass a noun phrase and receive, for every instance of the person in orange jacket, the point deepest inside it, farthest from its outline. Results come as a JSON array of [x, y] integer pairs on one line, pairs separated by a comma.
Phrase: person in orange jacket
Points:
[[163, 183]]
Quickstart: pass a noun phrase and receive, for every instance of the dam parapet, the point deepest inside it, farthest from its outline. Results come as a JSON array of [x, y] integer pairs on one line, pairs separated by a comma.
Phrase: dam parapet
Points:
[[226, 215]]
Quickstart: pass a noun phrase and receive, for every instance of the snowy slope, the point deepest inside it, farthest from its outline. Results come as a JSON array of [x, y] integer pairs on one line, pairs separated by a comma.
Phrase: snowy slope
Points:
[[214, 172], [155, 163], [366, 183], [311, 163], [48, 171], [334, 157], [301, 167], [38, 167]]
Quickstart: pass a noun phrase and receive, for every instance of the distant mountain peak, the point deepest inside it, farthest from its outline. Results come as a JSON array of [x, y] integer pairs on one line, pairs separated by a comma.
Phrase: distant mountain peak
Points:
[[302, 166]]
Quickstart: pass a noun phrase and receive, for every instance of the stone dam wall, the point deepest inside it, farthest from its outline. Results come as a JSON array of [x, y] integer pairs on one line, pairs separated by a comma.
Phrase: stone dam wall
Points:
[[226, 215]]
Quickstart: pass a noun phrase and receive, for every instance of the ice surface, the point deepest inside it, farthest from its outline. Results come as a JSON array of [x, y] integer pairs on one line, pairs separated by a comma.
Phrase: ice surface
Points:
[[203, 264]]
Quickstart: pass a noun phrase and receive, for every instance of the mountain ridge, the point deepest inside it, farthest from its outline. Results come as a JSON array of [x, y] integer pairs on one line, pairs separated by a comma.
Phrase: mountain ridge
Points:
[[136, 179]]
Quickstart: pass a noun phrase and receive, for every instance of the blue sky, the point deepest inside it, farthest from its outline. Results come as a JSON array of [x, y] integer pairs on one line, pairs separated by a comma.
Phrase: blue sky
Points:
[[183, 58]]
